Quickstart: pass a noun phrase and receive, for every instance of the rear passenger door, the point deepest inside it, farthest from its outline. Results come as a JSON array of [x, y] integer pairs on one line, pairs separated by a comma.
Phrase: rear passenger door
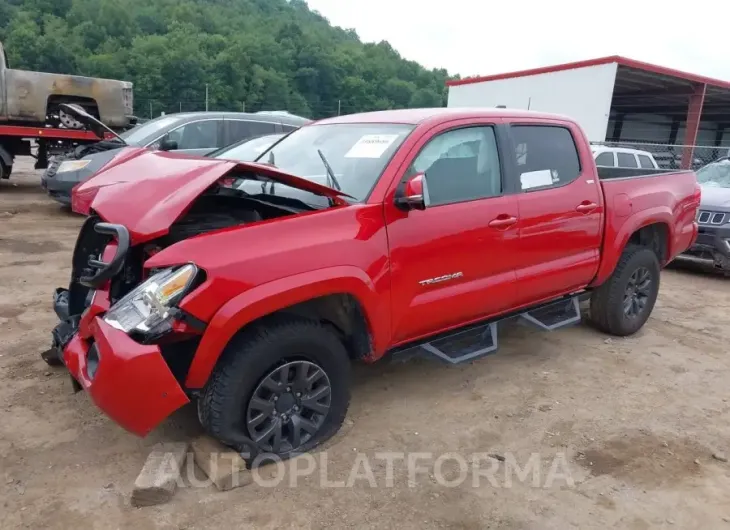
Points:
[[237, 130], [560, 210]]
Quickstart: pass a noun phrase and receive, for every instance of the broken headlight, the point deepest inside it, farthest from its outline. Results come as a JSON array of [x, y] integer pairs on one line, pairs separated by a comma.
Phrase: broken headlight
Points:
[[147, 308]]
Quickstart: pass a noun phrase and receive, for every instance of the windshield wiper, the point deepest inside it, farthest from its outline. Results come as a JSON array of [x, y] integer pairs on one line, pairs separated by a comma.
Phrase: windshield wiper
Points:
[[332, 180], [272, 161]]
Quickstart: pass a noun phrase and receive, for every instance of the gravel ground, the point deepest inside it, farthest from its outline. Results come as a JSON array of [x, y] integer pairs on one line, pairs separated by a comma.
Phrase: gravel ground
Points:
[[625, 433]]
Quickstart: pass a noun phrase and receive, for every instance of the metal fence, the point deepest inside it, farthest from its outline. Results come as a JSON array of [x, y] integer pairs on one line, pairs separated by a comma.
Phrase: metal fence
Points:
[[669, 156]]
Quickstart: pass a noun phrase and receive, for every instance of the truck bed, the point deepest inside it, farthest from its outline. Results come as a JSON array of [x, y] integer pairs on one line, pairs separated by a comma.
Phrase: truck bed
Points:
[[637, 198]]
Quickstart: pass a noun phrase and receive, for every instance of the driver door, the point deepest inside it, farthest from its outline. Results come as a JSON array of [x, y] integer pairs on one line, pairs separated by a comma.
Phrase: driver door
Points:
[[454, 262]]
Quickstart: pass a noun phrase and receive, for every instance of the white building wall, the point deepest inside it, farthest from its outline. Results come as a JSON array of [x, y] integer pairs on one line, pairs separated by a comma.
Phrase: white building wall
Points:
[[583, 94]]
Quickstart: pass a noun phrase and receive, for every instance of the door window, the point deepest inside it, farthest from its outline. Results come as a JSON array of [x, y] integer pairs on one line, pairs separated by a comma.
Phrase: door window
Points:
[[626, 160], [546, 156], [645, 162], [605, 159], [460, 165], [196, 135], [240, 130]]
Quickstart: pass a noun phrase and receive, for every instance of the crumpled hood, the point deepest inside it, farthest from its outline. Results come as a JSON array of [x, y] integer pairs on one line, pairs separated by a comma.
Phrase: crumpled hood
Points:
[[147, 191], [714, 197]]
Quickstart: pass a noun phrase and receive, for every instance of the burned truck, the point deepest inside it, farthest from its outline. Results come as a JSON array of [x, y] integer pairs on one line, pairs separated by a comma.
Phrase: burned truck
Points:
[[35, 99]]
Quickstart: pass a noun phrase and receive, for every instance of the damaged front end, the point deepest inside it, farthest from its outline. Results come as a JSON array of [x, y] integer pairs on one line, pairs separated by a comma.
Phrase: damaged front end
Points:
[[123, 333], [126, 373]]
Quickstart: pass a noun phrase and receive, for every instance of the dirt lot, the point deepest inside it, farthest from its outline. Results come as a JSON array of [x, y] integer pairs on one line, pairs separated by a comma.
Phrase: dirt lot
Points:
[[633, 423]]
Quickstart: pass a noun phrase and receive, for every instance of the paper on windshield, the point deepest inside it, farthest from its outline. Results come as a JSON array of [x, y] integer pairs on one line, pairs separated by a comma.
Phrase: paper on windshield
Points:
[[371, 146]]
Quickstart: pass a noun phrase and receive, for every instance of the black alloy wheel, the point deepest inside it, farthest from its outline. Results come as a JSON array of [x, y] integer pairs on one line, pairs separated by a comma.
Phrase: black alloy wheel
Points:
[[289, 406], [638, 291]]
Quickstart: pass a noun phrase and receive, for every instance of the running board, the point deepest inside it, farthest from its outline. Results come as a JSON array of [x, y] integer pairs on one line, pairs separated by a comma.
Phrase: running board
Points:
[[554, 315], [473, 342]]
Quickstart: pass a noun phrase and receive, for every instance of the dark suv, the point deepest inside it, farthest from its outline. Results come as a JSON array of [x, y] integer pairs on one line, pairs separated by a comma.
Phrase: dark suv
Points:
[[713, 240], [195, 133]]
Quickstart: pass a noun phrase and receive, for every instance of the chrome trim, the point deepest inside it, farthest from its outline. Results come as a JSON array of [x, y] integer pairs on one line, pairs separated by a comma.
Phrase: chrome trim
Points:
[[440, 279], [708, 217]]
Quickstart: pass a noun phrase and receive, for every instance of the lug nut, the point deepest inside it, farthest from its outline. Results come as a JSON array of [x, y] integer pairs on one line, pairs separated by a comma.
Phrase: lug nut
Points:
[[288, 389], [299, 394]]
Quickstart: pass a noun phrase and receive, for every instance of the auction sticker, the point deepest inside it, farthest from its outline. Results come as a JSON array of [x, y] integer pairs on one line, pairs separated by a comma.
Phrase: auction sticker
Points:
[[371, 146]]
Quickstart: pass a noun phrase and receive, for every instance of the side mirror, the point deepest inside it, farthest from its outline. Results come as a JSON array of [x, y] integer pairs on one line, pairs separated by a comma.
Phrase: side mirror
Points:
[[413, 193], [168, 145]]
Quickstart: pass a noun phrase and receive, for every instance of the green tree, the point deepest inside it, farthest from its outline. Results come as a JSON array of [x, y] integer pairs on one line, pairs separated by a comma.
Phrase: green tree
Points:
[[261, 54]]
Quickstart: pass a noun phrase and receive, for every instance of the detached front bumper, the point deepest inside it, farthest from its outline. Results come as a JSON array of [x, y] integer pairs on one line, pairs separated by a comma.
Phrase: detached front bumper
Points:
[[712, 243], [129, 381]]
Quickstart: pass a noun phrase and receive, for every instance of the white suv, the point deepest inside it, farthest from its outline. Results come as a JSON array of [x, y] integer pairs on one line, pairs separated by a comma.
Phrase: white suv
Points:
[[623, 157]]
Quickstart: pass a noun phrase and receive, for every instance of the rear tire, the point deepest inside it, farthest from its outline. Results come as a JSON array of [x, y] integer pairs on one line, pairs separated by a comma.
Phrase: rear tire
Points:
[[238, 404], [5, 170], [622, 305]]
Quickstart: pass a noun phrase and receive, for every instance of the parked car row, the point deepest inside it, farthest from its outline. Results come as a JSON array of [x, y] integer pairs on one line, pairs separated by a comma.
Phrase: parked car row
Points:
[[195, 133], [252, 286]]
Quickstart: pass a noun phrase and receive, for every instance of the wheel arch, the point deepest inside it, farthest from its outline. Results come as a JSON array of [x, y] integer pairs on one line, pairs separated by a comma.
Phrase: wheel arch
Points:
[[341, 297], [652, 229]]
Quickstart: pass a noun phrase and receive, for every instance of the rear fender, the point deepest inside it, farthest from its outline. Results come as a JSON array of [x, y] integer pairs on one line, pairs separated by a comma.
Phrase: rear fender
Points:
[[615, 241], [279, 294]]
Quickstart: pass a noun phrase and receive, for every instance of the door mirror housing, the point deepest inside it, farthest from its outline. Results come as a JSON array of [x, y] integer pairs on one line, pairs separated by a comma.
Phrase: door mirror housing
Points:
[[167, 144], [413, 193]]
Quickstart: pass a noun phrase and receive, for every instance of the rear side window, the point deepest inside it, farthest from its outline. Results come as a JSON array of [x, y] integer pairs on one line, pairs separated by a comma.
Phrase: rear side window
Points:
[[605, 159], [240, 130], [645, 162], [546, 156], [626, 160]]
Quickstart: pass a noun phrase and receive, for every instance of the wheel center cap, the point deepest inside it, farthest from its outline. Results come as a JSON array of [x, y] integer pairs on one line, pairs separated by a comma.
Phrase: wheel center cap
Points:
[[285, 402]]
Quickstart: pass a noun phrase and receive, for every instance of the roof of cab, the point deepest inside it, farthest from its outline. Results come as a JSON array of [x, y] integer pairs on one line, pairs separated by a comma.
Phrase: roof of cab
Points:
[[418, 116]]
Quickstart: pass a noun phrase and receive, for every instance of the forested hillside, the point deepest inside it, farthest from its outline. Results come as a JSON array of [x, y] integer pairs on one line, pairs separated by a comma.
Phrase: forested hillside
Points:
[[252, 54]]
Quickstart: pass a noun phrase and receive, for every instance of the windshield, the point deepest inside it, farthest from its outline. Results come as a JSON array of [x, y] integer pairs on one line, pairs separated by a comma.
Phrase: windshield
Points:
[[356, 152], [716, 174], [247, 150], [141, 132]]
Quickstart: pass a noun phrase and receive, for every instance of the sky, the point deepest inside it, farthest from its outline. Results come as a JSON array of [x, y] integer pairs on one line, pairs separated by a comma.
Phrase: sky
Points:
[[483, 37]]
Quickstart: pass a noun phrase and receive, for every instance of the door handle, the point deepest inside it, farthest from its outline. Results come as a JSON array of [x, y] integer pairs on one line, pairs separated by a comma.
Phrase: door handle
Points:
[[586, 207], [503, 221]]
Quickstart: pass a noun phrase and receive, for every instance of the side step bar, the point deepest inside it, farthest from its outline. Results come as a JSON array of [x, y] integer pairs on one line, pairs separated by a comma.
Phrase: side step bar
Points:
[[479, 340]]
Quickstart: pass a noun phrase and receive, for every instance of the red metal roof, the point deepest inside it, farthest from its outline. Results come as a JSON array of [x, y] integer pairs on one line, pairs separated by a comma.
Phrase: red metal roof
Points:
[[621, 61]]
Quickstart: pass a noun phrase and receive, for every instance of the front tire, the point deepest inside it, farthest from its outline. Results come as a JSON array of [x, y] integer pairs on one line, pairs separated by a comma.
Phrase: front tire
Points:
[[622, 305], [279, 389]]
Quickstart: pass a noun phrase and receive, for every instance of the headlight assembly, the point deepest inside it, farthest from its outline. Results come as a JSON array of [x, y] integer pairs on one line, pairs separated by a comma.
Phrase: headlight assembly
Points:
[[147, 308], [72, 165]]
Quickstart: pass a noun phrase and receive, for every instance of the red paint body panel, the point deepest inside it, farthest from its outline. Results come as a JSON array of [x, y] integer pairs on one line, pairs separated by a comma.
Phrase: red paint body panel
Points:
[[132, 384], [21, 131], [137, 185], [668, 198], [558, 241]]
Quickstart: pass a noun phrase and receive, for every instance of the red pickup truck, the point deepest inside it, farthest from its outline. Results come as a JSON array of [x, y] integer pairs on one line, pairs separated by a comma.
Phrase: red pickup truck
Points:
[[251, 287]]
